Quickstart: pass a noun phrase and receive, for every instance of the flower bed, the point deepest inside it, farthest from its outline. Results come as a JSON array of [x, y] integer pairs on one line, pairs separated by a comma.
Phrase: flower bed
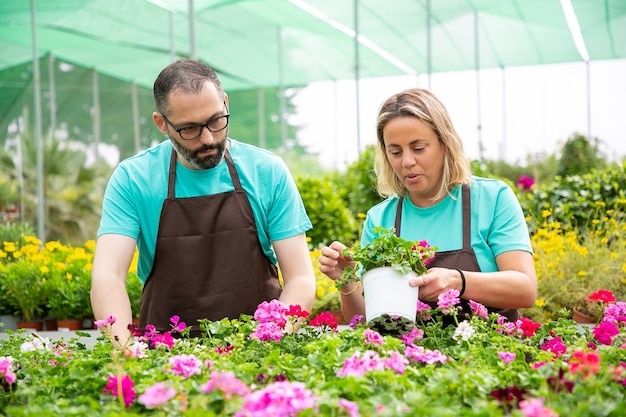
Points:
[[253, 367]]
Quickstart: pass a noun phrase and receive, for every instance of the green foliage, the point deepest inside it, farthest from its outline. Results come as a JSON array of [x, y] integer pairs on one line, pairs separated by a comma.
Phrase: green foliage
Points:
[[579, 156], [134, 287], [68, 296], [583, 201], [330, 218], [14, 232], [26, 291], [357, 186], [387, 249]]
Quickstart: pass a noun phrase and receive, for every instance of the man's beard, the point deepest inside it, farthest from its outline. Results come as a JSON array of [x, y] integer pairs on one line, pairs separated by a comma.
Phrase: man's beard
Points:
[[191, 156]]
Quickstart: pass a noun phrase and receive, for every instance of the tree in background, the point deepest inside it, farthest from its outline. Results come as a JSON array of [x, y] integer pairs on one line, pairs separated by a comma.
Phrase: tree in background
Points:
[[580, 155]]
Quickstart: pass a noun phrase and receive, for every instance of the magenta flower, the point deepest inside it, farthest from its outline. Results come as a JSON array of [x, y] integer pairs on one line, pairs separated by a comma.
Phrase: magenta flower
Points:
[[162, 340], [602, 296], [554, 345], [185, 365], [226, 382], [356, 320], [507, 357], [525, 182], [177, 325], [350, 406], [447, 301], [121, 386], [280, 399], [605, 331], [6, 369], [372, 337], [156, 395]]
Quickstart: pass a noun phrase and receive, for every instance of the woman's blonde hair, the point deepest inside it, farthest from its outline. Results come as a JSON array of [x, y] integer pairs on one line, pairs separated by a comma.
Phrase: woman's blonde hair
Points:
[[425, 106]]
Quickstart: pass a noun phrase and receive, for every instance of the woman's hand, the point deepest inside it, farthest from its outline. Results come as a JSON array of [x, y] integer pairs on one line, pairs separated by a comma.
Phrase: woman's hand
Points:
[[332, 262]]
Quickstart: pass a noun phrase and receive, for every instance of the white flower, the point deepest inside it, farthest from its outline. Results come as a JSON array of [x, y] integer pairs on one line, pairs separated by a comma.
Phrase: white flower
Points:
[[463, 332], [36, 343]]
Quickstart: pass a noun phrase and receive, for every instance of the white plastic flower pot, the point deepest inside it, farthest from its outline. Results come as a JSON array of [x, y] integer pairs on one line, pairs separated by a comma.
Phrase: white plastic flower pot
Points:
[[387, 291]]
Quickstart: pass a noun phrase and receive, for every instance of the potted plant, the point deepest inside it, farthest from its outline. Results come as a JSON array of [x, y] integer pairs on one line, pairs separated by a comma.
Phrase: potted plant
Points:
[[384, 266], [68, 299], [25, 292]]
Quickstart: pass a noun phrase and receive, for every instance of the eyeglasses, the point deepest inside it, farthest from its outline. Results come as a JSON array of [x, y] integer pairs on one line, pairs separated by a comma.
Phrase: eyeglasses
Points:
[[192, 132]]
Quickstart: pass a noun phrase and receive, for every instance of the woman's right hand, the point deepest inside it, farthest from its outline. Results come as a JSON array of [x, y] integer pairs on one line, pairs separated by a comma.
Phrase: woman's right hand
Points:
[[332, 262]]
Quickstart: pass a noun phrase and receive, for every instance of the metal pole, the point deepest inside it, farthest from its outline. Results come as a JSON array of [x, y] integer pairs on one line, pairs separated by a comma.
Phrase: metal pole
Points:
[[53, 95], [261, 112], [281, 89], [172, 39], [357, 65], [135, 104], [429, 57], [477, 63], [41, 204], [96, 111], [588, 69], [192, 31]]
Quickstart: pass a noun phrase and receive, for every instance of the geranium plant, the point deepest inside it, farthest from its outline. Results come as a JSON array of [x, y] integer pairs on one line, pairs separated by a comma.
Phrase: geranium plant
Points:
[[387, 249], [254, 366]]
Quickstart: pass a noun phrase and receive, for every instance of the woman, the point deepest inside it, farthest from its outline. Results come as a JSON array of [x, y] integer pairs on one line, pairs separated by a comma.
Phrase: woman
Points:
[[477, 224]]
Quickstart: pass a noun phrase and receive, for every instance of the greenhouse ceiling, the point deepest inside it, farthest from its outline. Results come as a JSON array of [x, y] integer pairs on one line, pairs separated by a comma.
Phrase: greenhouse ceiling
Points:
[[280, 43]]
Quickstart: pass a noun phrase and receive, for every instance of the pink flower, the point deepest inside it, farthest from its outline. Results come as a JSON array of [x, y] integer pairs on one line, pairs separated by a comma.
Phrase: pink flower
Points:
[[372, 337], [350, 407], [185, 365], [267, 331], [447, 301], [156, 395], [280, 399], [420, 354], [356, 320], [5, 369], [396, 361], [275, 312], [359, 366], [507, 357], [534, 408], [226, 382], [101, 323], [410, 337], [422, 311], [479, 309], [121, 386]]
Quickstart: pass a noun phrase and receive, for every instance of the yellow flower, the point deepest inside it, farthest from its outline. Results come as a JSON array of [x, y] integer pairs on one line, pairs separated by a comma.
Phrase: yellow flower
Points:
[[44, 269], [540, 302], [582, 273], [17, 254], [546, 213], [9, 246], [91, 245], [361, 215]]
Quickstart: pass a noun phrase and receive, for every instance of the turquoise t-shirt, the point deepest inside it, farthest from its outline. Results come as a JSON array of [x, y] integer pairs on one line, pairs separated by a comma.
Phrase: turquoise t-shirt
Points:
[[498, 223], [135, 193]]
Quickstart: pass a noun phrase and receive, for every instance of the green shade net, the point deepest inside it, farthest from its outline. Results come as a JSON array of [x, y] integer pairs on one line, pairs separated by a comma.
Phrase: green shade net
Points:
[[256, 44]]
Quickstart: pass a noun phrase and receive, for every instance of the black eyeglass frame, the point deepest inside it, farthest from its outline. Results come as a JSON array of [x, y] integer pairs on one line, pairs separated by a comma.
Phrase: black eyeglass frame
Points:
[[201, 126]]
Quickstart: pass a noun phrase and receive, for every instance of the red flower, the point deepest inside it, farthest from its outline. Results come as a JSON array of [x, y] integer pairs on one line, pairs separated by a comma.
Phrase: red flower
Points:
[[324, 319], [297, 311], [585, 363], [602, 296], [528, 327]]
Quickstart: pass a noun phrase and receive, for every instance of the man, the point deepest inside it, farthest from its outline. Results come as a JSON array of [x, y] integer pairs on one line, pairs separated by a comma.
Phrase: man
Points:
[[210, 217]]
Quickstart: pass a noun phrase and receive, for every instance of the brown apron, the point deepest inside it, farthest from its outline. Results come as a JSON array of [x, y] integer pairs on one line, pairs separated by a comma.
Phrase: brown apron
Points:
[[464, 259], [208, 262]]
